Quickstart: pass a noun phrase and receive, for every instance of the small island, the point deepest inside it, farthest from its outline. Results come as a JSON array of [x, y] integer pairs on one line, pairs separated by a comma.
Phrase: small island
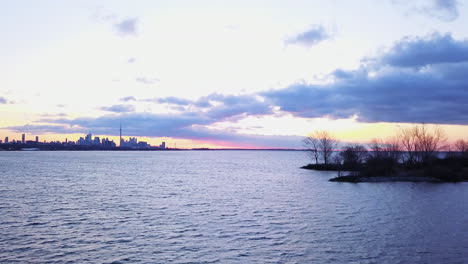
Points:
[[416, 154]]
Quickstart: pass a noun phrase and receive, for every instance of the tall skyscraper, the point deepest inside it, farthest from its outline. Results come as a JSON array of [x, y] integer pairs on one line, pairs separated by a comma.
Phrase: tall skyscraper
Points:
[[23, 138], [6, 140], [37, 139]]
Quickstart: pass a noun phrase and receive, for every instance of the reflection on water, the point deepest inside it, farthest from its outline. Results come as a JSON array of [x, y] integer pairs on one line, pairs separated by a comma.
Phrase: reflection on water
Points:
[[218, 207]]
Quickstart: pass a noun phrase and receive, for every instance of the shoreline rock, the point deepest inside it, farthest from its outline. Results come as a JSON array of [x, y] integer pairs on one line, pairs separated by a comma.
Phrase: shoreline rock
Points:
[[356, 179]]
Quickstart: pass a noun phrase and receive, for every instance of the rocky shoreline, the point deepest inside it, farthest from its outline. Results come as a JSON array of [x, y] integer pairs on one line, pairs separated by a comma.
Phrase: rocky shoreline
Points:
[[356, 179], [431, 174]]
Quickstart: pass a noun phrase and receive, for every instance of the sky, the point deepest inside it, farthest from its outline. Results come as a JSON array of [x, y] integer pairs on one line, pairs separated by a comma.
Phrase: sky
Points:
[[236, 74]]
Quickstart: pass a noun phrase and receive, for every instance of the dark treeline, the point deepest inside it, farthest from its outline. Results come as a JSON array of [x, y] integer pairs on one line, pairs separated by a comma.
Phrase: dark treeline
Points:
[[419, 151]]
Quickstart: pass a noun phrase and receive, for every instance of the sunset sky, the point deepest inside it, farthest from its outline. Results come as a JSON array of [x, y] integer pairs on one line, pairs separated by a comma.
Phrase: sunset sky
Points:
[[253, 74]]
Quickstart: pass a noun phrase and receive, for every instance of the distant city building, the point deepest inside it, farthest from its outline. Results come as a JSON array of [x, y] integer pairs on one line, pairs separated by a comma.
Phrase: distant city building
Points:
[[133, 143], [37, 139], [163, 145], [23, 138], [6, 140], [108, 143], [89, 141]]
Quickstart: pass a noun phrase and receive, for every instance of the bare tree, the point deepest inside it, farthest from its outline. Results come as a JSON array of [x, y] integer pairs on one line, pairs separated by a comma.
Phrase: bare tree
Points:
[[408, 142], [422, 143], [389, 148], [429, 142], [312, 144], [353, 156], [462, 147], [376, 147], [322, 144]]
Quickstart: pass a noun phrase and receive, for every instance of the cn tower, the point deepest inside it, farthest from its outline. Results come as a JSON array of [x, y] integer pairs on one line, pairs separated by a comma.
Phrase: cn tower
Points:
[[120, 130]]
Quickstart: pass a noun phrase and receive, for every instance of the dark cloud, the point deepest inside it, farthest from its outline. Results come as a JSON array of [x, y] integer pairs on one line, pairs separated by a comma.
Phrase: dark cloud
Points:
[[311, 37], [121, 108], [3, 100], [235, 106], [127, 26], [417, 80], [420, 52], [342, 74], [146, 80], [138, 124], [435, 95], [221, 107], [141, 124]]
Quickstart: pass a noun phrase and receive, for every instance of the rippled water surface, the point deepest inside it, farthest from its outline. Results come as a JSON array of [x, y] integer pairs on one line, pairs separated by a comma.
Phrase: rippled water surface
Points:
[[217, 207]]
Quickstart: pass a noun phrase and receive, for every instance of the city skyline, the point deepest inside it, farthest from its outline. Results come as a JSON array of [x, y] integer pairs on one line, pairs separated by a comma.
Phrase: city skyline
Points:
[[88, 140], [237, 74], [98, 143]]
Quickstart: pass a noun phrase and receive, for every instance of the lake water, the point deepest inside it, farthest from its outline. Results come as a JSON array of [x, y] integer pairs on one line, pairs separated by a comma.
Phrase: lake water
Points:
[[218, 207]]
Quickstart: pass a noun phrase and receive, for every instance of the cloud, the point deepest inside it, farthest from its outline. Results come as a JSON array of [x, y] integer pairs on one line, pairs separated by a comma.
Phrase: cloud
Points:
[[420, 52], [221, 107], [119, 108], [419, 79], [314, 35], [234, 107], [54, 115], [434, 95], [128, 98], [127, 26], [172, 100], [3, 100], [146, 80], [342, 74], [445, 10], [131, 60], [45, 128]]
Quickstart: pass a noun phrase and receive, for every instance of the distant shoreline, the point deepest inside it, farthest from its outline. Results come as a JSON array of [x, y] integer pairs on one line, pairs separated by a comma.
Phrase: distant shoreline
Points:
[[151, 149]]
